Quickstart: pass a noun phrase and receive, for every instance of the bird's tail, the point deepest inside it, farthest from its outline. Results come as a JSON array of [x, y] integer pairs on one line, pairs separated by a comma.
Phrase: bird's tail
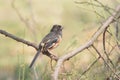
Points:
[[34, 59]]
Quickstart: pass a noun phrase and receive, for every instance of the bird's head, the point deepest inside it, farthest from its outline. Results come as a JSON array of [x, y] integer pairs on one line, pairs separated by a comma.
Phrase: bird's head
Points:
[[56, 28]]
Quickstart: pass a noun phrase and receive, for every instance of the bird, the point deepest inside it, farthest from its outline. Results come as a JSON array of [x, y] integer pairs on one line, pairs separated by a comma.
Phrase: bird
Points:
[[49, 42]]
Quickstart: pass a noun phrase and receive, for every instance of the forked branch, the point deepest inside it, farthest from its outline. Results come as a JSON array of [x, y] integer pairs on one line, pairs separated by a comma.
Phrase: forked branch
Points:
[[106, 24]]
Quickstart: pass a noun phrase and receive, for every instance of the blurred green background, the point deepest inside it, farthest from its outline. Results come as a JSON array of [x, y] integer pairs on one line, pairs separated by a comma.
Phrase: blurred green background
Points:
[[32, 20]]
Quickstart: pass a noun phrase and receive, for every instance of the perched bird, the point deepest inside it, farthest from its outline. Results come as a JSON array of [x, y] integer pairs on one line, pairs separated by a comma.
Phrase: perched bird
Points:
[[49, 42]]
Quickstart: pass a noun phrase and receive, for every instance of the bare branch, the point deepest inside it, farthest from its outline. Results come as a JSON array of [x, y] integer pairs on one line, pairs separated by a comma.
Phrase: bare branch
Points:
[[27, 43], [106, 24], [18, 39]]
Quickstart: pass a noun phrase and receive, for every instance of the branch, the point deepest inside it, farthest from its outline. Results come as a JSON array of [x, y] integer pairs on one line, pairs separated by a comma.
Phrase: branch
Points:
[[106, 24], [19, 39], [27, 43]]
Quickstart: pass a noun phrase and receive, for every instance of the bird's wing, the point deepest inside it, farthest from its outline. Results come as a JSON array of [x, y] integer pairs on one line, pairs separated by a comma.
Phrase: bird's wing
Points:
[[49, 40]]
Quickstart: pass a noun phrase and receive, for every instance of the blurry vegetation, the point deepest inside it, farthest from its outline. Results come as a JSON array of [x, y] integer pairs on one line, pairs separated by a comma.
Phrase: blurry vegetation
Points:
[[80, 19]]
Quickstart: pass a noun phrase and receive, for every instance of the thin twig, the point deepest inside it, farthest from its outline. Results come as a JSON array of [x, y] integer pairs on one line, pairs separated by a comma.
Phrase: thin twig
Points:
[[96, 5], [106, 8], [104, 47], [117, 76], [87, 3], [112, 49], [90, 66]]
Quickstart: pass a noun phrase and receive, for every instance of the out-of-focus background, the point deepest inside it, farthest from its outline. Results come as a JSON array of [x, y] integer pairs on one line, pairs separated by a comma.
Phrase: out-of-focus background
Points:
[[32, 20]]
